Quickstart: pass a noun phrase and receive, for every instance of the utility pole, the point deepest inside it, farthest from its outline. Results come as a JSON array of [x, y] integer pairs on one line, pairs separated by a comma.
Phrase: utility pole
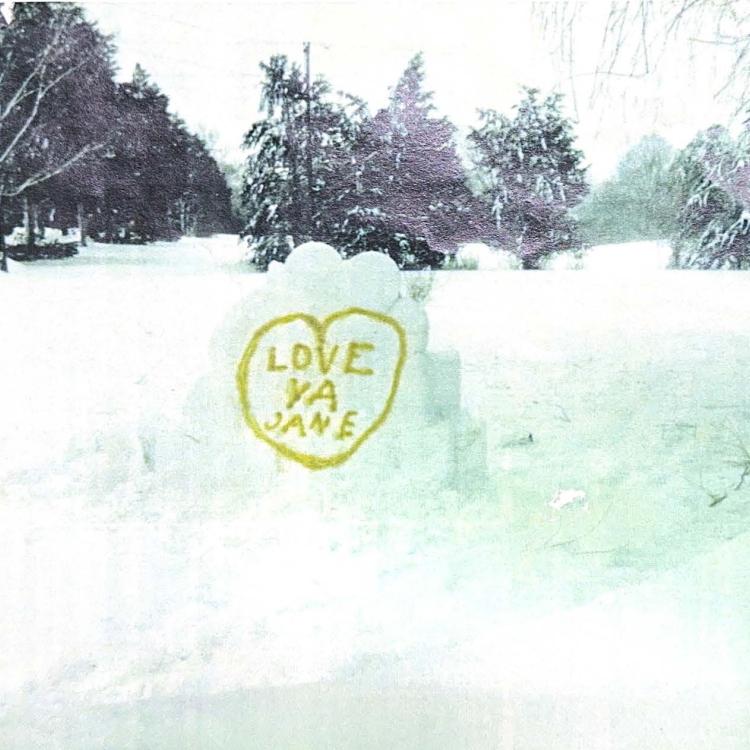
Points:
[[308, 204]]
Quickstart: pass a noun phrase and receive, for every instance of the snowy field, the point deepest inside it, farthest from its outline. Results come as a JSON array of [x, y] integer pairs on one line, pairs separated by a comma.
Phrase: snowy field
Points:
[[596, 595]]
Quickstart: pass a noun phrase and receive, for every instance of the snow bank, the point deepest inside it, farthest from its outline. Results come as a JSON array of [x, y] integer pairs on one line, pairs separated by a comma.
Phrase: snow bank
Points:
[[481, 257], [51, 236], [14, 268], [629, 257], [624, 257], [185, 256]]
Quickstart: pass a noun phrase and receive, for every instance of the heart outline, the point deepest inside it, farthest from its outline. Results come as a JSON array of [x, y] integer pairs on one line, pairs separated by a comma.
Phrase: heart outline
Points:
[[319, 328]]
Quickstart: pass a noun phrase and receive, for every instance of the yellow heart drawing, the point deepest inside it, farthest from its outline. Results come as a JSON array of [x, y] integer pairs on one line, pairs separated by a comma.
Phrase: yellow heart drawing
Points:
[[320, 329]]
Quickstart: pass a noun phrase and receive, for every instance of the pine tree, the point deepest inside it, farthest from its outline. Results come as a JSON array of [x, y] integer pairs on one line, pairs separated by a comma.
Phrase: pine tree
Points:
[[160, 180], [72, 194], [413, 199], [295, 174], [531, 175], [140, 171], [203, 206], [713, 179], [271, 194]]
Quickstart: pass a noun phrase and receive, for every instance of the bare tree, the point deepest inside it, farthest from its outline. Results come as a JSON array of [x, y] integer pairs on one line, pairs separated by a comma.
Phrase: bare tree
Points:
[[33, 67], [633, 37]]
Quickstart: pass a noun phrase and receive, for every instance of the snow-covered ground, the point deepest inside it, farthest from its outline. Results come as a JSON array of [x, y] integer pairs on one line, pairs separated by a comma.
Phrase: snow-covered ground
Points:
[[624, 257], [596, 596]]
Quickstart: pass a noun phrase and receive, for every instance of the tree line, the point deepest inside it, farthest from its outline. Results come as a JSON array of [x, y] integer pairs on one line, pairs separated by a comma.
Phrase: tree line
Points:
[[320, 166], [79, 149]]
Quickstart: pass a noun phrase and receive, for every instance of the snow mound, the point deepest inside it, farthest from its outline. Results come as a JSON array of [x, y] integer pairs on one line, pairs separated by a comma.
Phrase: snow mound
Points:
[[630, 257], [51, 236], [480, 257], [422, 427], [186, 255]]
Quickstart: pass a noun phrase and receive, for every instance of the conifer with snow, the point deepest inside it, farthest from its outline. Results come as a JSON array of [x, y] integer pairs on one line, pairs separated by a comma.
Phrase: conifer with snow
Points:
[[712, 176], [294, 174], [392, 183], [531, 175], [411, 197]]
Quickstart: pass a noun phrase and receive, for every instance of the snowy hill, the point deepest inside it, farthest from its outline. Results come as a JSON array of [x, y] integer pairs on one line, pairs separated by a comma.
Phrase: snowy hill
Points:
[[601, 583]]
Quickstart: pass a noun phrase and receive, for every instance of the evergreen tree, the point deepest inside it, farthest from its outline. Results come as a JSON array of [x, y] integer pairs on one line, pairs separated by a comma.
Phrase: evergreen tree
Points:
[[204, 206], [294, 176], [411, 198], [144, 174], [271, 192], [531, 175], [392, 183], [67, 197], [159, 180], [712, 175]]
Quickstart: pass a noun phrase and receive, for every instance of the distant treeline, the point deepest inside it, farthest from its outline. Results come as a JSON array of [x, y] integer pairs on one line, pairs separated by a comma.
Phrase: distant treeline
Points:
[[79, 149]]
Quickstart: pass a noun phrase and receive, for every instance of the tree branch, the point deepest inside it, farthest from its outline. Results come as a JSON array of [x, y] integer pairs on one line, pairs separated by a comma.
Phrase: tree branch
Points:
[[41, 64], [43, 176]]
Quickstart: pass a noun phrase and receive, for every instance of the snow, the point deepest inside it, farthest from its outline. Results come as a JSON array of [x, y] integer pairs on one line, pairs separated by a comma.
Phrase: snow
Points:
[[146, 612], [623, 257], [478, 256], [51, 236], [425, 421], [633, 257]]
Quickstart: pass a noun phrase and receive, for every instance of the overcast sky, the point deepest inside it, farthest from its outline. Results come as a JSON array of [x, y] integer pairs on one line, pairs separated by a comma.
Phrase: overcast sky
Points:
[[205, 57]]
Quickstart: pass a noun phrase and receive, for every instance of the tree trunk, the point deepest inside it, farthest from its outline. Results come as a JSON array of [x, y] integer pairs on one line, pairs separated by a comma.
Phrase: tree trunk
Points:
[[108, 223], [28, 224], [39, 226], [81, 224], [182, 210], [3, 255]]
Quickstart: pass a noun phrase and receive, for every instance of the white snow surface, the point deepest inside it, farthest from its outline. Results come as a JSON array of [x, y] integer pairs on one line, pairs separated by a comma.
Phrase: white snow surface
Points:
[[138, 614], [623, 257], [478, 256]]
